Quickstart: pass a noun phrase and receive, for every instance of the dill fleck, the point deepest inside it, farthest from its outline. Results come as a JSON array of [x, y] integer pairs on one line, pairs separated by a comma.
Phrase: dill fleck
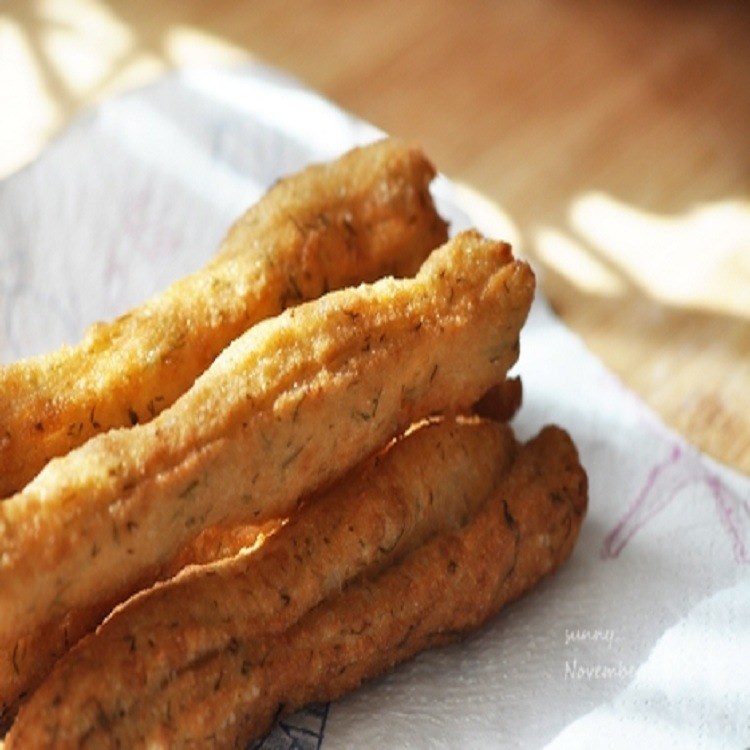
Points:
[[188, 491], [295, 414], [556, 498], [179, 341], [291, 457], [297, 225], [368, 414], [408, 392], [294, 286], [267, 442], [508, 517], [16, 668], [407, 634], [152, 405]]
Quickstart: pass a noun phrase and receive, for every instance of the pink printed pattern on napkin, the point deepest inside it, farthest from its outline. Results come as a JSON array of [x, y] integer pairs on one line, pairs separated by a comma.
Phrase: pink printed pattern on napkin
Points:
[[664, 482]]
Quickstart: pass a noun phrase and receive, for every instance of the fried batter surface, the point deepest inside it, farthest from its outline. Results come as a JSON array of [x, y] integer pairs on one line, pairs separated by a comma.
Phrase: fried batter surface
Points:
[[287, 408], [426, 483], [219, 678], [443, 590], [356, 219]]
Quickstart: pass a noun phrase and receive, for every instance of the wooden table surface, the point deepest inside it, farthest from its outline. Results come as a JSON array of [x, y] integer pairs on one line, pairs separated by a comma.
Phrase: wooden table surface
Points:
[[613, 135]]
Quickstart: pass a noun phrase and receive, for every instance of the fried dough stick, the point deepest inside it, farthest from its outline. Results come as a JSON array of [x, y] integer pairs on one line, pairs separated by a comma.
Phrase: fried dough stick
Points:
[[39, 651], [425, 483], [356, 219], [287, 408], [216, 543], [452, 585], [500, 404], [433, 595]]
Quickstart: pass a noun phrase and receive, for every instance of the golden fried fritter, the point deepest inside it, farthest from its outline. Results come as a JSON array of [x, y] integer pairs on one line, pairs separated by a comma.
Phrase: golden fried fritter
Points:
[[285, 409], [36, 653], [356, 219], [425, 483], [443, 590], [345, 621]]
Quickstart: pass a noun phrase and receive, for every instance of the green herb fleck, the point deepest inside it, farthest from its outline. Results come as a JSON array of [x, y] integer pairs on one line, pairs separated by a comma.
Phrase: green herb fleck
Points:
[[189, 490]]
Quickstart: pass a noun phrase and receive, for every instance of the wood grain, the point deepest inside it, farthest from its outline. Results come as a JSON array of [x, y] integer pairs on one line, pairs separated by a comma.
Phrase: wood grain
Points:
[[614, 135]]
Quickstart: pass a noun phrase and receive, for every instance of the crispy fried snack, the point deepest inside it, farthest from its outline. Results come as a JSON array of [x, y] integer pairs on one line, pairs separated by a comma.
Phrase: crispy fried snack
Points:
[[215, 655], [426, 482], [440, 593], [38, 652], [500, 404], [40, 649], [356, 219], [287, 408]]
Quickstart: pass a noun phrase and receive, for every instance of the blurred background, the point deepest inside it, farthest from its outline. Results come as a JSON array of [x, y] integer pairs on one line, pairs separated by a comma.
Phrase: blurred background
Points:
[[612, 136]]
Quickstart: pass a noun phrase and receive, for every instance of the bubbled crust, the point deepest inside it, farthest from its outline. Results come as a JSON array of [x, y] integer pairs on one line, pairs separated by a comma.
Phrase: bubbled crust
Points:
[[286, 408]]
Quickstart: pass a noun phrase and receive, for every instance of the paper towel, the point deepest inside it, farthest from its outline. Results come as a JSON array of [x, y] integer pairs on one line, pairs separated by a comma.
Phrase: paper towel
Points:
[[641, 640]]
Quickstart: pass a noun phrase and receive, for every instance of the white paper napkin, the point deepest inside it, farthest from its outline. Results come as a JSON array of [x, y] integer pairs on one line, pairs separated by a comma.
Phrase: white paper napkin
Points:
[[641, 640]]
